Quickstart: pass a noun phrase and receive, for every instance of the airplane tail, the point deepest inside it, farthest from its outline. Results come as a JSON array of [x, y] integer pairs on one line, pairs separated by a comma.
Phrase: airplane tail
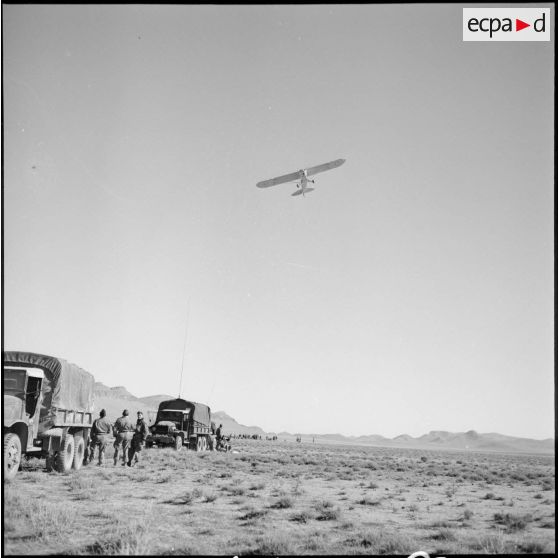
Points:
[[305, 191]]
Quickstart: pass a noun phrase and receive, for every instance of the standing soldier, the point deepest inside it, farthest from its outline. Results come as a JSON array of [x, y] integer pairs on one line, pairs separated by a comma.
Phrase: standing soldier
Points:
[[138, 439], [212, 438], [218, 437], [123, 431], [100, 432]]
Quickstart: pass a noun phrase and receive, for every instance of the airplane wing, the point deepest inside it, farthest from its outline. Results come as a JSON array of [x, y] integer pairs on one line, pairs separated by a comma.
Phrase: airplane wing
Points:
[[279, 180], [324, 167]]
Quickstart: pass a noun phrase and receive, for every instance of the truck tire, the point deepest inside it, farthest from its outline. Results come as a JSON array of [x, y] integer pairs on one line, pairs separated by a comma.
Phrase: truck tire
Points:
[[199, 444], [204, 444], [12, 455], [79, 452], [65, 455], [178, 443]]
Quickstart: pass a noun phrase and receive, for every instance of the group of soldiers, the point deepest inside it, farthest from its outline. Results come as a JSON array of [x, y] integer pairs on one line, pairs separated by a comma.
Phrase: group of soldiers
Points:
[[129, 438]]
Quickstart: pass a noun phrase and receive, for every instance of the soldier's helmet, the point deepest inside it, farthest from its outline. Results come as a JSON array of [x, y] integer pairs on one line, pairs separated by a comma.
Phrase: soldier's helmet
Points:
[[125, 413]]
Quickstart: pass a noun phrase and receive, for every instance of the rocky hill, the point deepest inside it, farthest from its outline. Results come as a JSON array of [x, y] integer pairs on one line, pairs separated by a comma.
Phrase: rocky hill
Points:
[[153, 401], [114, 400], [230, 426]]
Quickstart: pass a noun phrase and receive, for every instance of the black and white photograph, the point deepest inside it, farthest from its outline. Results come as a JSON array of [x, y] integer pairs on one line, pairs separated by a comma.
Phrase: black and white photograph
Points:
[[278, 279]]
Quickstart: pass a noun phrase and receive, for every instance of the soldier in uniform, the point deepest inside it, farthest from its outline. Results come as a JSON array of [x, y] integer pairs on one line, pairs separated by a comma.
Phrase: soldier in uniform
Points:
[[138, 440], [219, 438], [123, 431], [100, 432], [212, 438]]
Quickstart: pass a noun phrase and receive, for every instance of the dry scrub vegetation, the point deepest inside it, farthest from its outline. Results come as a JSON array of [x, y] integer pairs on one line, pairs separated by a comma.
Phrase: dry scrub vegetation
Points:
[[287, 498]]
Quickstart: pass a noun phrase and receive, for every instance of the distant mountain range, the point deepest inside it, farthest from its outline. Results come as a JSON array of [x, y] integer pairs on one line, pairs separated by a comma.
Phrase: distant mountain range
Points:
[[441, 439], [114, 400]]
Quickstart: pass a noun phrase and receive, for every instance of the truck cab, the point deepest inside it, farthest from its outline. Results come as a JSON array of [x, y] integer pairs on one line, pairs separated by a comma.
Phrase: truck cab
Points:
[[22, 406], [170, 428], [22, 403]]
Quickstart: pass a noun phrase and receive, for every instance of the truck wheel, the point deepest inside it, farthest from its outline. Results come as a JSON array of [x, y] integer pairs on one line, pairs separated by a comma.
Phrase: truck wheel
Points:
[[178, 443], [78, 452], [199, 444], [12, 455], [65, 455], [204, 444]]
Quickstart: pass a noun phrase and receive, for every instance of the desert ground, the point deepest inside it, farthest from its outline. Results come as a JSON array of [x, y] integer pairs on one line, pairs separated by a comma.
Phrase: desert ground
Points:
[[280, 497]]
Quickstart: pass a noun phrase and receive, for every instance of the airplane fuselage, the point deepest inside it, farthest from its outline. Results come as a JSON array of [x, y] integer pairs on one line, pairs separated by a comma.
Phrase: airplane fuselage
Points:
[[303, 185]]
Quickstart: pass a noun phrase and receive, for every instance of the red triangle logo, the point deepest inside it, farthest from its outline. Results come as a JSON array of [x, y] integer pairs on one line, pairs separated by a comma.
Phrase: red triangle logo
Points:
[[519, 25]]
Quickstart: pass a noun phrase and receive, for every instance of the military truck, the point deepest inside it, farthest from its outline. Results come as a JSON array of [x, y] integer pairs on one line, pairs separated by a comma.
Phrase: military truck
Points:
[[181, 423], [48, 411]]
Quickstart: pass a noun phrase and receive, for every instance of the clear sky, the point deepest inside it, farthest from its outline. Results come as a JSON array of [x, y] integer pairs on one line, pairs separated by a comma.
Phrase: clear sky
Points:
[[411, 291]]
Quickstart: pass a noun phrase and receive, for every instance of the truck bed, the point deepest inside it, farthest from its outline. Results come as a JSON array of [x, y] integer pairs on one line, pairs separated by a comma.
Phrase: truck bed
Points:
[[63, 417]]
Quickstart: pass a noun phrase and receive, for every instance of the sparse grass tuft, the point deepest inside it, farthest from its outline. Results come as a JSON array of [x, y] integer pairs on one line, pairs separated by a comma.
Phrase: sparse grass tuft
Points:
[[127, 541], [442, 524], [164, 478], [492, 496], [467, 514], [252, 513], [532, 547], [301, 517], [297, 490], [186, 498], [272, 545], [210, 497], [380, 542], [444, 534], [283, 503], [326, 512], [368, 501], [493, 544], [79, 482], [234, 490], [513, 523]]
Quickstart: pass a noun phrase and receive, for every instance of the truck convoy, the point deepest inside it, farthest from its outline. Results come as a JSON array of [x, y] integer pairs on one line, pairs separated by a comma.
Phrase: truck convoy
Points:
[[181, 423], [48, 411]]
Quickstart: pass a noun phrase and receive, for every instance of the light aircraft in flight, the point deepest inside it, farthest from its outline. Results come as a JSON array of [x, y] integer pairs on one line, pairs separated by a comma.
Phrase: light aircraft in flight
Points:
[[301, 177]]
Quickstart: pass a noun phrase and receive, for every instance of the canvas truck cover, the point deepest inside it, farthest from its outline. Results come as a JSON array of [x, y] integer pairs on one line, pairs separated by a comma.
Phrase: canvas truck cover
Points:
[[66, 385], [198, 411]]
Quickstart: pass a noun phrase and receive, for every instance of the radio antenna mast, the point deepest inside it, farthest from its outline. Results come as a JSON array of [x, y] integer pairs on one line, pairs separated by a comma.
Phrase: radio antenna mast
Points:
[[184, 348]]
